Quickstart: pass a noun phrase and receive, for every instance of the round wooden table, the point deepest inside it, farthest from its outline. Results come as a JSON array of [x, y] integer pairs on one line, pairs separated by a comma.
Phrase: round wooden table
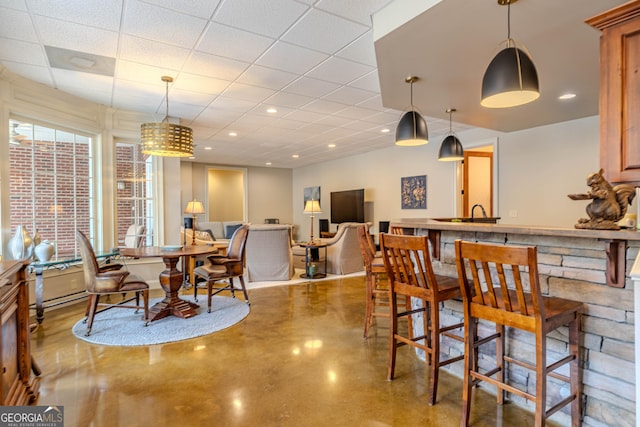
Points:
[[170, 278]]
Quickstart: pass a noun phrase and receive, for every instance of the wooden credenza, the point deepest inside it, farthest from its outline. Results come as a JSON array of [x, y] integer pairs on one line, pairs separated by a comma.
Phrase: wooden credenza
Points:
[[620, 92], [19, 382]]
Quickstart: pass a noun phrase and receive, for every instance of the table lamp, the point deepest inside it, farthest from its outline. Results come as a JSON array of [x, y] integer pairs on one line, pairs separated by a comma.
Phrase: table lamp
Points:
[[194, 207], [312, 207]]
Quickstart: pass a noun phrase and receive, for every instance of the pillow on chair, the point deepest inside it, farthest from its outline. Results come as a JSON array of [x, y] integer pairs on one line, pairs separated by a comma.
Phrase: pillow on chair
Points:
[[205, 235], [230, 229]]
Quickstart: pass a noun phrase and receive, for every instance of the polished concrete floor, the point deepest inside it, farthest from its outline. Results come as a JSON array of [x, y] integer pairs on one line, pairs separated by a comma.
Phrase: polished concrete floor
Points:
[[298, 359]]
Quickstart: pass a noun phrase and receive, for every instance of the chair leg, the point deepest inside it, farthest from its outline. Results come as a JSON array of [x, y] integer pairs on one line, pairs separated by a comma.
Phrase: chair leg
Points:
[[145, 300], [369, 302], [541, 380], [434, 335], [575, 374], [209, 294], [244, 290], [500, 376], [393, 331], [470, 356], [93, 304], [195, 290]]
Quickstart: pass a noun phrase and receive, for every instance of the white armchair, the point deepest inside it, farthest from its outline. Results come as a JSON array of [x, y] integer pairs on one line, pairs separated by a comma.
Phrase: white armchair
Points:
[[268, 252], [343, 249]]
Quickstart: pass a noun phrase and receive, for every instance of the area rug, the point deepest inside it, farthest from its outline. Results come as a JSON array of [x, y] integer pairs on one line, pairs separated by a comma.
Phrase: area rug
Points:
[[124, 327]]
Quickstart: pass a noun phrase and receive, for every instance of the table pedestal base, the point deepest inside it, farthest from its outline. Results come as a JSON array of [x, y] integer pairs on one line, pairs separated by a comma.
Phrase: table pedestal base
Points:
[[172, 305]]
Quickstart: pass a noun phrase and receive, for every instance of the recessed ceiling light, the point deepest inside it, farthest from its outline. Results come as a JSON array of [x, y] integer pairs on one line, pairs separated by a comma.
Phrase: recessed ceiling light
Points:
[[332, 145], [192, 158], [567, 96], [385, 130], [271, 110], [295, 156], [233, 134], [207, 148], [268, 163]]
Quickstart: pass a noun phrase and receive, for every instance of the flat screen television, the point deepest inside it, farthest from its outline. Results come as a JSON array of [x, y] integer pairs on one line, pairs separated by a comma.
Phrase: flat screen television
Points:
[[347, 206]]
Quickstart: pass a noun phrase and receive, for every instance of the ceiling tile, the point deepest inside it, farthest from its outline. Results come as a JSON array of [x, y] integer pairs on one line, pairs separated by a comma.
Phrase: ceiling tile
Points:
[[232, 104], [24, 52], [78, 37], [163, 25], [215, 66], [322, 31], [233, 43], [270, 18], [192, 7], [93, 13], [349, 95], [189, 97], [359, 11], [338, 70], [291, 100], [311, 87], [142, 73], [323, 106], [281, 56], [197, 83], [248, 92], [361, 50], [266, 77], [17, 25], [368, 82], [356, 113], [152, 53]]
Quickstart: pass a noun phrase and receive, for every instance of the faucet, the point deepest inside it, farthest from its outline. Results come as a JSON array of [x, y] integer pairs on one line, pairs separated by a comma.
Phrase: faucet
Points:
[[484, 213]]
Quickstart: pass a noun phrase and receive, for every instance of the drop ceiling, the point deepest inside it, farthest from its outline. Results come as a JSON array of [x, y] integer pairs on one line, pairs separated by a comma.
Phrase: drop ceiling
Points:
[[314, 61]]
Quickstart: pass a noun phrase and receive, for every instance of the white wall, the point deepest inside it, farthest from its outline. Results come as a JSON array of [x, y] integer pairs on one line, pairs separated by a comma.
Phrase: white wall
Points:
[[537, 168]]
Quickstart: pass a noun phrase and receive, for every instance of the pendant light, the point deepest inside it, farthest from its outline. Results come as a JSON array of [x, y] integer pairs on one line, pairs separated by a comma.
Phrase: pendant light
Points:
[[511, 78], [164, 138], [451, 148], [412, 128]]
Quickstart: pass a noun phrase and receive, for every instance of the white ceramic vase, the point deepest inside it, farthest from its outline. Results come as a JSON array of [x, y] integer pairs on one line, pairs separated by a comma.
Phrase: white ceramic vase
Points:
[[21, 244], [44, 251]]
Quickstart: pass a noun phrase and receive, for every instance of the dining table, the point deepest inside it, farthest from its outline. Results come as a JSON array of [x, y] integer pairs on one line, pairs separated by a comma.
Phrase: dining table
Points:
[[171, 278]]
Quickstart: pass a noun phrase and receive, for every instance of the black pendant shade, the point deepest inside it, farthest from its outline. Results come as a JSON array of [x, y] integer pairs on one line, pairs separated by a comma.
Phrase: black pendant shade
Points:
[[511, 79], [412, 130], [451, 149]]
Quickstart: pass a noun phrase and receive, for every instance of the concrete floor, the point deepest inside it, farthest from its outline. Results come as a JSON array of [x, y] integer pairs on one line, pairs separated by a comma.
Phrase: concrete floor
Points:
[[298, 359]]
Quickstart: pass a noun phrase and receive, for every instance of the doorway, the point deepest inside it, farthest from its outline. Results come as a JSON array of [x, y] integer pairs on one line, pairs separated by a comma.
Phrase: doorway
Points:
[[477, 180], [226, 189]]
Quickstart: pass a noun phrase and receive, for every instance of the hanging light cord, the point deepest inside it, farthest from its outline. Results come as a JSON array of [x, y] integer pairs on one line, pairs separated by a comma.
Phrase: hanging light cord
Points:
[[411, 97], [450, 129], [166, 97]]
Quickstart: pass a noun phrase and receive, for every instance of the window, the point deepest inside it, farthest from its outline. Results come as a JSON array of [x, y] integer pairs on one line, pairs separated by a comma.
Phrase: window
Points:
[[51, 183], [134, 191]]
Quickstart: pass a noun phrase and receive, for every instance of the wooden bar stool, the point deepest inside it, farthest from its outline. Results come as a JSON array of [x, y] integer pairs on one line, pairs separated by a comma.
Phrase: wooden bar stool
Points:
[[377, 290], [493, 279], [411, 275]]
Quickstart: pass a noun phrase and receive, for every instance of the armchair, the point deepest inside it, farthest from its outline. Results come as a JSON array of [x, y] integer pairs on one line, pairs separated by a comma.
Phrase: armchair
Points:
[[104, 281], [269, 252], [343, 249]]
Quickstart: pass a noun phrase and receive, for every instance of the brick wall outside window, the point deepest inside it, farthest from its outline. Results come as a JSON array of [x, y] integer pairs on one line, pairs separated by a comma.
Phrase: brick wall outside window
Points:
[[51, 185]]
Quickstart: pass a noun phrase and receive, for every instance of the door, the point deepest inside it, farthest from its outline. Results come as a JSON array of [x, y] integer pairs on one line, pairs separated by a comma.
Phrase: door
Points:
[[477, 181]]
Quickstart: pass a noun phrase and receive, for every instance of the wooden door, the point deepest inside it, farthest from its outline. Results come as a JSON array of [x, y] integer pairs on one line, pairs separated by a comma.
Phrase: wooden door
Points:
[[477, 181]]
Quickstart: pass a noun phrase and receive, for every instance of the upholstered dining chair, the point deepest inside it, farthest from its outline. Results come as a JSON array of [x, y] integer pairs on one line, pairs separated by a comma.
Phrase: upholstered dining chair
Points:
[[408, 264], [108, 281], [493, 279], [377, 290], [223, 268]]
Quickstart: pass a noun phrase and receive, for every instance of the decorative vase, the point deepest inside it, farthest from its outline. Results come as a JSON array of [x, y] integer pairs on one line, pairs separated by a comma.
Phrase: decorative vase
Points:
[[36, 238], [21, 244], [44, 251]]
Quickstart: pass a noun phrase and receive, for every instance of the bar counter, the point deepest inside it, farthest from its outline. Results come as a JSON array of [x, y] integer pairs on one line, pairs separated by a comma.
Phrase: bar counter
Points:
[[591, 266]]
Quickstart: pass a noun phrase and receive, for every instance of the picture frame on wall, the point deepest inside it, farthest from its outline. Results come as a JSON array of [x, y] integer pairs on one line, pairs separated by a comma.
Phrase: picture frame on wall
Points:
[[311, 193], [413, 192]]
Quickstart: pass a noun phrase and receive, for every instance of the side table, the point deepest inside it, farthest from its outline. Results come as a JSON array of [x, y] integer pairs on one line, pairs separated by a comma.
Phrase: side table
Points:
[[308, 260]]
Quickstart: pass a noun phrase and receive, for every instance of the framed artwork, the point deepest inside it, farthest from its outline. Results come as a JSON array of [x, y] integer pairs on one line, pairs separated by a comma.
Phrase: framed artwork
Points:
[[311, 193], [413, 192]]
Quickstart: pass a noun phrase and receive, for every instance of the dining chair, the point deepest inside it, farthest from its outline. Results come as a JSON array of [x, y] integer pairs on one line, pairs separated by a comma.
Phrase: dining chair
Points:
[[408, 264], [108, 281], [493, 280], [377, 289], [222, 269]]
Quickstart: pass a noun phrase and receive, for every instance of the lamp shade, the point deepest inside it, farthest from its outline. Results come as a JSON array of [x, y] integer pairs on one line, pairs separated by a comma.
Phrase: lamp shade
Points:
[[166, 139], [312, 207], [412, 130], [511, 79], [451, 149], [194, 207]]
